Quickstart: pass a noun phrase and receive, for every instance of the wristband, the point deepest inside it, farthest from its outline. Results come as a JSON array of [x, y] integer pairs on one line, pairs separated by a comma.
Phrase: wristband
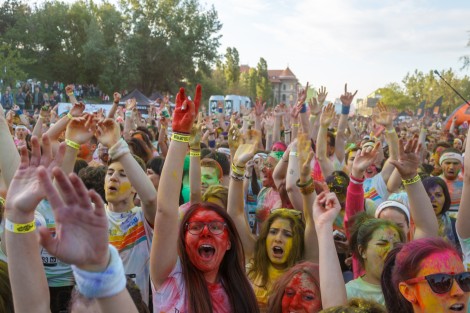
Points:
[[72, 144], [313, 116], [300, 185], [295, 125], [238, 170], [19, 112], [104, 284], [20, 228], [70, 116], [70, 94], [180, 137], [194, 153], [237, 176], [355, 180], [391, 131], [293, 153], [221, 110], [345, 109], [118, 149], [411, 181]]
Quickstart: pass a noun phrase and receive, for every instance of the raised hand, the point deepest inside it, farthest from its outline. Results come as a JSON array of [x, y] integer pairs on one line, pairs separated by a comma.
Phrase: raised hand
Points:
[[185, 111], [260, 106], [327, 115], [302, 95], [383, 115], [347, 97], [325, 209], [81, 129], [234, 136], [408, 158], [247, 150], [322, 94], [365, 158], [108, 132], [69, 89], [131, 104], [315, 107], [26, 191], [295, 110], [77, 109], [81, 223], [196, 134], [305, 154], [116, 97]]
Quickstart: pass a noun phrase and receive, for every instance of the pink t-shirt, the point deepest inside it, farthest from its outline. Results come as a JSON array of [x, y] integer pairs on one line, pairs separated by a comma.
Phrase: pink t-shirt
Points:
[[171, 297]]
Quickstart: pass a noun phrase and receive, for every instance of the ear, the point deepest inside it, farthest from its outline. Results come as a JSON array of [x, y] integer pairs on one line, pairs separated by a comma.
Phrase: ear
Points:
[[407, 291], [229, 246], [362, 252]]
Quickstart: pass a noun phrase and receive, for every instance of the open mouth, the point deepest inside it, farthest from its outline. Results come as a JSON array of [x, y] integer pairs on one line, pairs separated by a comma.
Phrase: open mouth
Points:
[[112, 189], [457, 307], [278, 252], [206, 251]]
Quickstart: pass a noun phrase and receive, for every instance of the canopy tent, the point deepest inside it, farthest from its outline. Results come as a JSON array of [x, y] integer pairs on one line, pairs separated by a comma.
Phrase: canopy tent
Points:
[[138, 96], [155, 95], [462, 113]]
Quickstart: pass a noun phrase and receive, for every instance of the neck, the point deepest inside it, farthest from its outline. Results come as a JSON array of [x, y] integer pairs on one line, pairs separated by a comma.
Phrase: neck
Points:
[[212, 277], [371, 279], [121, 206]]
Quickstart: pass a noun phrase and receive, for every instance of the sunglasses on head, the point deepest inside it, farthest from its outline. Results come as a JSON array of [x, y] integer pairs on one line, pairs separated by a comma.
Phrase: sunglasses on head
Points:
[[442, 282]]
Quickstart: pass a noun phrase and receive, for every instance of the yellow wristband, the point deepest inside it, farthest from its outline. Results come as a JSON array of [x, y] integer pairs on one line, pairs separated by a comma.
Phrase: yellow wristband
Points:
[[194, 153], [411, 181], [70, 116], [391, 131], [20, 228], [295, 125], [72, 144], [70, 94], [180, 137], [238, 170]]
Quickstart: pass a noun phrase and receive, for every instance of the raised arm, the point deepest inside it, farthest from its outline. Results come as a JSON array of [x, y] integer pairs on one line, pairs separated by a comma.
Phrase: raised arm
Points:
[[421, 208], [260, 106], [333, 290], [117, 98], [326, 118], [235, 205], [164, 251], [315, 107], [9, 157], [195, 161], [463, 216], [346, 100]]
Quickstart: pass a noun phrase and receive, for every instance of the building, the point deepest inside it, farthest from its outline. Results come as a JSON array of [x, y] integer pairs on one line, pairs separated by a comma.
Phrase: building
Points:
[[285, 86]]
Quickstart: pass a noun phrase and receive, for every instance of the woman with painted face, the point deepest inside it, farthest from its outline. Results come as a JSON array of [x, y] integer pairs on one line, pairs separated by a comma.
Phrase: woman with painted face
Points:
[[285, 239], [425, 275], [196, 265]]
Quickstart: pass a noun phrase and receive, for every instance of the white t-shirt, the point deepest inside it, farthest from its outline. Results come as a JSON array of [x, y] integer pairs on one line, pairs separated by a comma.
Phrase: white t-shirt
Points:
[[131, 234], [359, 288]]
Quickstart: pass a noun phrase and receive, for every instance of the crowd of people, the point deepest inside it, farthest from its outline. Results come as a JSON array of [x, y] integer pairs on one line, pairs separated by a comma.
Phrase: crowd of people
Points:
[[285, 209]]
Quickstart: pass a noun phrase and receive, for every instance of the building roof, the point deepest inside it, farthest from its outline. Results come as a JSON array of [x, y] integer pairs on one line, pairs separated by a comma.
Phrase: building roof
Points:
[[275, 76], [244, 68]]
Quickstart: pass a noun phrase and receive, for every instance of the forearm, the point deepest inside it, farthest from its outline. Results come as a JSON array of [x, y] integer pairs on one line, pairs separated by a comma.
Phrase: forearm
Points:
[[70, 157], [304, 121], [277, 129], [128, 127], [195, 178], [293, 175], [340, 141], [112, 111], [421, 211], [463, 215], [354, 200], [280, 171], [394, 182], [9, 156], [59, 127], [37, 130], [333, 291], [314, 126]]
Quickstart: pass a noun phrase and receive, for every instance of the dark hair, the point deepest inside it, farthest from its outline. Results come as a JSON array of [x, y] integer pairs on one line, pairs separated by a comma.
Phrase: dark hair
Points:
[[231, 270], [259, 267], [278, 289], [357, 305], [6, 297], [139, 148], [443, 144], [136, 157], [222, 160], [331, 138], [79, 164], [403, 263], [346, 156], [147, 132], [363, 230], [156, 164], [93, 178], [432, 182], [205, 152]]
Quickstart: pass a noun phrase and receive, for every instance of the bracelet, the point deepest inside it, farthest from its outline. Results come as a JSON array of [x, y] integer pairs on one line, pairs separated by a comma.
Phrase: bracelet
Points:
[[70, 94], [118, 149], [300, 185], [237, 176], [391, 131], [247, 177], [295, 125], [104, 284], [355, 180], [238, 170], [72, 144], [306, 188], [345, 109], [194, 153], [411, 181], [180, 137], [70, 116], [313, 116], [20, 228], [293, 153]]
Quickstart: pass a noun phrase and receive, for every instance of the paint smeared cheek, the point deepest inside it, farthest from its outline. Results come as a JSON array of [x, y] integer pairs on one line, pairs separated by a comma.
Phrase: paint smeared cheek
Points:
[[124, 188], [287, 249]]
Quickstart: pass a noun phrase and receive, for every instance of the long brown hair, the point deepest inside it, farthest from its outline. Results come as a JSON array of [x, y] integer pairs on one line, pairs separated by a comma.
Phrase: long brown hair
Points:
[[231, 270], [259, 267]]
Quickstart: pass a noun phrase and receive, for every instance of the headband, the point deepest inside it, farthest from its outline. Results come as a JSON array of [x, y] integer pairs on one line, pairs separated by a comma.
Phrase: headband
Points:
[[21, 127], [457, 139], [392, 203], [451, 155], [225, 151]]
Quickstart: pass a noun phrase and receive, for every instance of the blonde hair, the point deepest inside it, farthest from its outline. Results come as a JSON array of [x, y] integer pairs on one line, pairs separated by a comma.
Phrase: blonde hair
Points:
[[216, 191]]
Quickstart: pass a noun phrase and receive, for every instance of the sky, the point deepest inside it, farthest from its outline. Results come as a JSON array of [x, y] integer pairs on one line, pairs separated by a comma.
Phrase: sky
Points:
[[365, 43]]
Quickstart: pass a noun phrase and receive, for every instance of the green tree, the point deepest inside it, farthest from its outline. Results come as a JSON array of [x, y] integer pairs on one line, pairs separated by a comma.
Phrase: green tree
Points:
[[232, 66], [11, 64], [394, 95], [263, 85]]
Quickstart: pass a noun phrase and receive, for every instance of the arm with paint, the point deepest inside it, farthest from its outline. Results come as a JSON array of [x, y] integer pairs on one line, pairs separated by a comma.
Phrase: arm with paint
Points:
[[326, 118], [235, 205], [195, 161], [333, 291], [421, 209], [164, 251]]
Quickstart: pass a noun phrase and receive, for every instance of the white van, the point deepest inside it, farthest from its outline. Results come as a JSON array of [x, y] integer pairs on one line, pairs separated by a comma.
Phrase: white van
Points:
[[233, 103], [213, 102]]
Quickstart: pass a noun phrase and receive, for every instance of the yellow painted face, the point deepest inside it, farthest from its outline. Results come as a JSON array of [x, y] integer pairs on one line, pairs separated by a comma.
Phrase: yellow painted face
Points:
[[279, 242], [117, 185]]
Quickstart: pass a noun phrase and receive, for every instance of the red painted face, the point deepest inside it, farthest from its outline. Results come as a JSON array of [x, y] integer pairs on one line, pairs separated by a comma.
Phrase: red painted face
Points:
[[207, 250], [301, 295], [267, 170]]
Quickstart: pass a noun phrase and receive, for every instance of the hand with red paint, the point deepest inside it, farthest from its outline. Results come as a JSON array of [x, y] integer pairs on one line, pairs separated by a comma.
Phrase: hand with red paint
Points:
[[185, 111], [81, 129], [108, 132], [347, 97], [408, 158], [325, 209]]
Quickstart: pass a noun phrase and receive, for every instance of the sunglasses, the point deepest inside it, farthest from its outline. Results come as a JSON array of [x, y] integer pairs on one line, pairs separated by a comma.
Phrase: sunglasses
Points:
[[441, 282], [215, 227]]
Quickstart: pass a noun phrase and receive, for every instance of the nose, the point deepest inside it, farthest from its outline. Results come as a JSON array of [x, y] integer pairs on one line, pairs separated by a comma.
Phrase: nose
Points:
[[296, 301], [205, 230], [456, 291]]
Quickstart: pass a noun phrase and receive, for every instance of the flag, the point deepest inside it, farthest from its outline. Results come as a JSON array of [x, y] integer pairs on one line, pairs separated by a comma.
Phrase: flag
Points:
[[420, 110], [437, 106]]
